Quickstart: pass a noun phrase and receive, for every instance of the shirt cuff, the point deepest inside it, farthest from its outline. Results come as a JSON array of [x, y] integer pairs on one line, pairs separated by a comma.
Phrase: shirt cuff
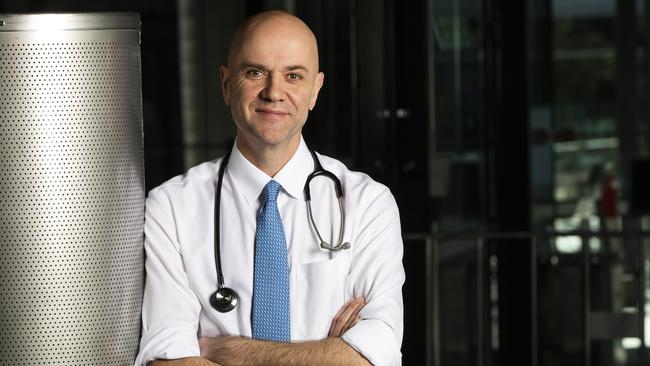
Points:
[[375, 341], [168, 343]]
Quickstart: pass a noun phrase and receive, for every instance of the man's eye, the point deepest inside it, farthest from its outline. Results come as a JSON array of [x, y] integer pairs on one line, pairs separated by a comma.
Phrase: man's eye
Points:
[[294, 76], [254, 73]]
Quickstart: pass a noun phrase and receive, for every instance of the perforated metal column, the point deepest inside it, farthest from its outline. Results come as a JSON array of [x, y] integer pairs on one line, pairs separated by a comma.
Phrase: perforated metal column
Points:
[[71, 189]]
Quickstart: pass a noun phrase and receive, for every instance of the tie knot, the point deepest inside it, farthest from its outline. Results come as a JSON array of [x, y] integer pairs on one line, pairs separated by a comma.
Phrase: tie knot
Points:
[[270, 191]]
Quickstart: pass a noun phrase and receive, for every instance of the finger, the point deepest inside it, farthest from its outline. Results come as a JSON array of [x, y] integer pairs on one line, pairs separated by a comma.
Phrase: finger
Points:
[[342, 309], [352, 324], [338, 314], [203, 345], [342, 319], [354, 318], [337, 323]]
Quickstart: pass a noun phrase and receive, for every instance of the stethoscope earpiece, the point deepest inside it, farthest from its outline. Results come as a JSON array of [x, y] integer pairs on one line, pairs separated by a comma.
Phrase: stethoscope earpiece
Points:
[[224, 299]]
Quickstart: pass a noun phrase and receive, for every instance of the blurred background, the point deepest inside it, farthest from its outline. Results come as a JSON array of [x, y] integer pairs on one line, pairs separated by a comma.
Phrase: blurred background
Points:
[[515, 136]]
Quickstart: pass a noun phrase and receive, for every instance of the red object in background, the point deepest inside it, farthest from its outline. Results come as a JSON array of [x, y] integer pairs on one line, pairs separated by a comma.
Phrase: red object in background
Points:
[[608, 197]]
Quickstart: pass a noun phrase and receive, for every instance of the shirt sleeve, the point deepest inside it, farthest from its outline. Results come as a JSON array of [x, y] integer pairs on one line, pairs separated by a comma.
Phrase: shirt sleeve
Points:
[[377, 274], [170, 310]]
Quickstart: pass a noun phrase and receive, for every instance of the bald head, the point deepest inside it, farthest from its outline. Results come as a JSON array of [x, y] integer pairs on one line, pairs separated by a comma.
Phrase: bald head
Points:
[[272, 24]]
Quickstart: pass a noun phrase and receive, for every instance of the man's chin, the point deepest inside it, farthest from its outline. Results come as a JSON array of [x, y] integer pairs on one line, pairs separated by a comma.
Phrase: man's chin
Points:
[[278, 141]]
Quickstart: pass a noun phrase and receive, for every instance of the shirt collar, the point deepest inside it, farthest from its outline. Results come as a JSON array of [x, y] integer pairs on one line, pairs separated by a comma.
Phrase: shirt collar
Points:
[[294, 173], [250, 180]]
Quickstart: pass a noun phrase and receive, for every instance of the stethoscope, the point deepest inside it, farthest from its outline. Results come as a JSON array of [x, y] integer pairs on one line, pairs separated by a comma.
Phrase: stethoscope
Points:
[[225, 298]]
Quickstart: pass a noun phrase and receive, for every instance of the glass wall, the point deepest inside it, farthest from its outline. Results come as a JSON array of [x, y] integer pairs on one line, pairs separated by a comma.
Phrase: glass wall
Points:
[[457, 105], [586, 87]]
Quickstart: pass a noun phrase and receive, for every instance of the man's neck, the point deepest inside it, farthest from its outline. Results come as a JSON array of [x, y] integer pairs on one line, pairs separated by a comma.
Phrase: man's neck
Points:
[[269, 159]]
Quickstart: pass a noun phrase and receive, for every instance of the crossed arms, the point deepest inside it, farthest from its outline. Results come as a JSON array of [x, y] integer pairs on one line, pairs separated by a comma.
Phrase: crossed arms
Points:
[[234, 350], [244, 351]]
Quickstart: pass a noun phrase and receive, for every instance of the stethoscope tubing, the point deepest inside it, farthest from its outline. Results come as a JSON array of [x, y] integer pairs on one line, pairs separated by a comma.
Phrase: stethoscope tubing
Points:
[[217, 218], [226, 299]]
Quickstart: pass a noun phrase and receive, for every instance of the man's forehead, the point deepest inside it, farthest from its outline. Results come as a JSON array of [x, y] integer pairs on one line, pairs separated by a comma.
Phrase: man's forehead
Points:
[[274, 32], [279, 37]]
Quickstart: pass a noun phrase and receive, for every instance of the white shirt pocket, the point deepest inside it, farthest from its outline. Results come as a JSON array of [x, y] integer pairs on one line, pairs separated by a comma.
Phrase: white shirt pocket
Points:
[[320, 294]]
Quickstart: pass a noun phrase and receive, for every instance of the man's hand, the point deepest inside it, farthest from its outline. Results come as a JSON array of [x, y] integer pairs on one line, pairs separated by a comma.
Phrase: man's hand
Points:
[[347, 317]]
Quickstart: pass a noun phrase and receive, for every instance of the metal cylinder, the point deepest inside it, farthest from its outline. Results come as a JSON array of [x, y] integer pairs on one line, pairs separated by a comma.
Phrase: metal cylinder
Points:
[[71, 189]]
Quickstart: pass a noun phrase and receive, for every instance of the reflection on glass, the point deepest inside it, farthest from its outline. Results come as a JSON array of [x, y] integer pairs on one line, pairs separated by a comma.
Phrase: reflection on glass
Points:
[[458, 119], [585, 134]]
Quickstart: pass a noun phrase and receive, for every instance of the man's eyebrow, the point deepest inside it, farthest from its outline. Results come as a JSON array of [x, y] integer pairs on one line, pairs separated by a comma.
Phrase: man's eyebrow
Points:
[[296, 67], [245, 65], [253, 65]]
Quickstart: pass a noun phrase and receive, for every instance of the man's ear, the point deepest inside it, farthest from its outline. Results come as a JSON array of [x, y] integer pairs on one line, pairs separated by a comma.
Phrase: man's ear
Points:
[[318, 83], [225, 79]]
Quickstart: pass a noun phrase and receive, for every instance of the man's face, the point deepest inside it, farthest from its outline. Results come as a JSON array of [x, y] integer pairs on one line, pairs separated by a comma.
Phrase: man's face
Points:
[[271, 83]]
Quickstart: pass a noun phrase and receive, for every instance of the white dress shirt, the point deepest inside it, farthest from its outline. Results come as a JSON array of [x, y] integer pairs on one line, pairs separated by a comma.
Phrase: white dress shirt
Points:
[[181, 272]]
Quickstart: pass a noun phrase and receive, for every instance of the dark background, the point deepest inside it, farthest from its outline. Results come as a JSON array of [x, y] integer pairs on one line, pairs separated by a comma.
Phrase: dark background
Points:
[[498, 126]]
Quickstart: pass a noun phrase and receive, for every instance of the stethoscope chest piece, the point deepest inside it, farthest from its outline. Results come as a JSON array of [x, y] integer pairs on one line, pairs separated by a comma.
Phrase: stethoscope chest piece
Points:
[[224, 300]]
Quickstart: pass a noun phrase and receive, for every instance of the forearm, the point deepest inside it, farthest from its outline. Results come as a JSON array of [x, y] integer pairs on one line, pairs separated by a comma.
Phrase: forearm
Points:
[[330, 351], [189, 361]]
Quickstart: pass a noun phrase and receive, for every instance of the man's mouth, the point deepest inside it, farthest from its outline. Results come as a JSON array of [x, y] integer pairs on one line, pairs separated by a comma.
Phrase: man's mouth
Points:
[[271, 112]]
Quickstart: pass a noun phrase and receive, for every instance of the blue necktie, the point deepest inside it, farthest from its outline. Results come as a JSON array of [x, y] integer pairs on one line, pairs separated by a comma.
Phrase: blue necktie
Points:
[[271, 318]]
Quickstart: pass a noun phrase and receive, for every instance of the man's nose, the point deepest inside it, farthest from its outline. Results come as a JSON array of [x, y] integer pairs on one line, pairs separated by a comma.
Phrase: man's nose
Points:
[[273, 90]]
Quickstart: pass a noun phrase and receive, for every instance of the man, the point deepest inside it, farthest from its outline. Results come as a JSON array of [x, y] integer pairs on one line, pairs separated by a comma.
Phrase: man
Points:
[[271, 82]]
